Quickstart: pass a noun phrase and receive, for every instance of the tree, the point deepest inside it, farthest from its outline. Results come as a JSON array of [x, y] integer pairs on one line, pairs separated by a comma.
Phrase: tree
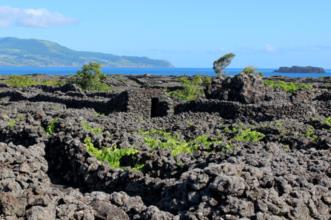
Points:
[[222, 63], [250, 70], [90, 78]]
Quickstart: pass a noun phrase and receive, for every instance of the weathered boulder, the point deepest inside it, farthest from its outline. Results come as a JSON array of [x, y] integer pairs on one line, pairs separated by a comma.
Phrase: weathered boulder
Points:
[[244, 88], [105, 210], [232, 185]]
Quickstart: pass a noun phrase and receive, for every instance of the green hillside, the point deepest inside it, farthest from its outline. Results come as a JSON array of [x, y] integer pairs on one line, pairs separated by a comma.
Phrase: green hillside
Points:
[[41, 53]]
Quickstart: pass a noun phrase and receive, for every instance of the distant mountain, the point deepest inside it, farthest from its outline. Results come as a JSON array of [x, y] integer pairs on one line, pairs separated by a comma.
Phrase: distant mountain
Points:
[[42, 53]]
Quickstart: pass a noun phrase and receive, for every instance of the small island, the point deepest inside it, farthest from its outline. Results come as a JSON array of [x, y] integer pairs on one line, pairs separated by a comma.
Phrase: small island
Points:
[[300, 69]]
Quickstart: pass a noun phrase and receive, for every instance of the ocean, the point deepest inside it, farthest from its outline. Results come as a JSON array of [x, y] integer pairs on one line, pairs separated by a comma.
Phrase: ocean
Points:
[[152, 71]]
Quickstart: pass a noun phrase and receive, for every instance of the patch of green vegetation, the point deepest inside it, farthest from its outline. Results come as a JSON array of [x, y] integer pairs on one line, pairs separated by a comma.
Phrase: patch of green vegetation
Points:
[[91, 78], [279, 124], [50, 129], [248, 135], [250, 70], [231, 130], [11, 123], [310, 133], [228, 147], [290, 87], [241, 134], [327, 121], [166, 140], [175, 143], [286, 147], [88, 128], [206, 80], [27, 81], [20, 117], [193, 89], [205, 141], [138, 167], [112, 155]]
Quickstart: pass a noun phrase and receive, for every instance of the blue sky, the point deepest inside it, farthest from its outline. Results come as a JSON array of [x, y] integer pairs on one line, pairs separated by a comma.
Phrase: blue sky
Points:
[[188, 33]]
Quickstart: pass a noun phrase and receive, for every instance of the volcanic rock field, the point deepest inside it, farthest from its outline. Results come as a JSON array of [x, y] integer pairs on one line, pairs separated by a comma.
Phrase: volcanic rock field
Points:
[[245, 150]]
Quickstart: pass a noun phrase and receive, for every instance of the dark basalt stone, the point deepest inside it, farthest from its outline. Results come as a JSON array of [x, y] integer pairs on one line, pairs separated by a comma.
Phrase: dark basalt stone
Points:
[[244, 88], [285, 175]]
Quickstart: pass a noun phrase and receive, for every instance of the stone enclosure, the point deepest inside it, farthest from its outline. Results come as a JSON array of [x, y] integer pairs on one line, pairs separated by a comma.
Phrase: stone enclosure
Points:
[[243, 96], [47, 171]]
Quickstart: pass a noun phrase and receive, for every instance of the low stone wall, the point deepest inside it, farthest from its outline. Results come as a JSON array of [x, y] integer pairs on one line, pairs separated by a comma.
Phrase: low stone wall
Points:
[[259, 112], [114, 102], [145, 102], [149, 102], [226, 109], [155, 103]]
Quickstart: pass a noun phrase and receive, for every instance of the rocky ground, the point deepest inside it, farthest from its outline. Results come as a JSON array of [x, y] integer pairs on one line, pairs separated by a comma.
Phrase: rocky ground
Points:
[[241, 168]]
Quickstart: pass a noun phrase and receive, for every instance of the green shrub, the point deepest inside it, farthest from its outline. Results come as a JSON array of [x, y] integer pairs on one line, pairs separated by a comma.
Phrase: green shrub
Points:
[[112, 155], [290, 87], [310, 134], [50, 129], [249, 70], [138, 167], [27, 81], [11, 123], [247, 135], [207, 80], [327, 121], [193, 89], [90, 78], [88, 128]]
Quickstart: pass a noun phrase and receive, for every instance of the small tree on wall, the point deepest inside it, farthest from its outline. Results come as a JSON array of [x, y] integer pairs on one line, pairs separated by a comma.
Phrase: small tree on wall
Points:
[[91, 78]]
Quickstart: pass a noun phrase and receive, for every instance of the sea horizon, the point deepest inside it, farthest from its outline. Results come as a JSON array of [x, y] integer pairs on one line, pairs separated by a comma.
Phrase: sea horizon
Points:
[[169, 71]]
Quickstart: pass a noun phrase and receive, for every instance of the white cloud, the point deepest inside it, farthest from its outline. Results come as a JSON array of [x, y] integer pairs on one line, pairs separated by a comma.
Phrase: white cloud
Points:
[[31, 17], [269, 48]]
